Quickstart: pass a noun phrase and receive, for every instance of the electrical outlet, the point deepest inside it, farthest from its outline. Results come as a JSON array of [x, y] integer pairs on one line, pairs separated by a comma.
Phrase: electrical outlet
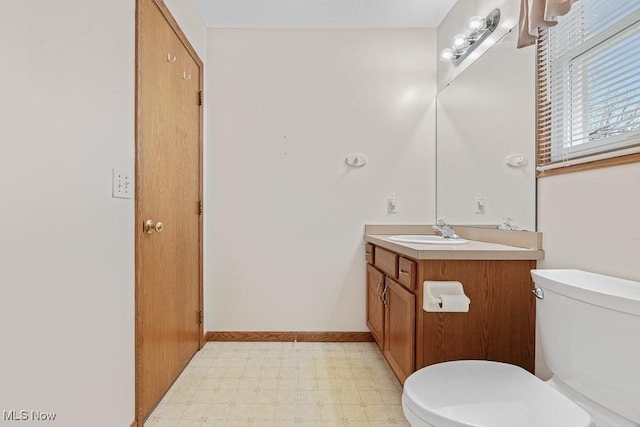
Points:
[[122, 187]]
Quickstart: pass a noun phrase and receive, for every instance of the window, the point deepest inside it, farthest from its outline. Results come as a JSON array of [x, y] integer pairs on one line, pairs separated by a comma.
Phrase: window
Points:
[[589, 84]]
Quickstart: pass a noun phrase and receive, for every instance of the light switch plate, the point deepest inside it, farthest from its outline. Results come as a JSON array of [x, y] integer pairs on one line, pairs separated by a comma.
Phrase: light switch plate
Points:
[[122, 186], [392, 205]]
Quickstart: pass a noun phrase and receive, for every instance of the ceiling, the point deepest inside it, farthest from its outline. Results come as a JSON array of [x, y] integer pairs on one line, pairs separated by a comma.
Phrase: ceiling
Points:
[[324, 13]]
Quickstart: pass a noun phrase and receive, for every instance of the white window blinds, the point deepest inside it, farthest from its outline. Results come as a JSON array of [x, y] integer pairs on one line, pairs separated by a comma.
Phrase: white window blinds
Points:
[[589, 84]]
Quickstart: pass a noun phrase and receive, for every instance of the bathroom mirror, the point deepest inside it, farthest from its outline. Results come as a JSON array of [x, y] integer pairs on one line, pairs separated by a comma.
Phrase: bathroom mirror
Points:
[[486, 140]]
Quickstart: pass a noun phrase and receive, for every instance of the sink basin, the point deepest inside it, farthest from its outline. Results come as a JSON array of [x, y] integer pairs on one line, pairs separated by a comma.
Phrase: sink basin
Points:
[[430, 239]]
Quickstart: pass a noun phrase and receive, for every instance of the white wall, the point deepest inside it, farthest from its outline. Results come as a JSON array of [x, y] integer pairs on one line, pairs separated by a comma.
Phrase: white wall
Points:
[[286, 215], [66, 246], [188, 16], [590, 220]]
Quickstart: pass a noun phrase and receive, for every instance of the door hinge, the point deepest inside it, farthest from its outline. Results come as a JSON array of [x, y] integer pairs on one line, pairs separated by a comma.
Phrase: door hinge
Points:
[[200, 98], [200, 317], [200, 208]]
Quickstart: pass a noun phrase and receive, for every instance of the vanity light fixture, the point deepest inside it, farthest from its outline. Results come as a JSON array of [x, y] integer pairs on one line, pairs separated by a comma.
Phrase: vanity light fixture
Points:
[[478, 29]]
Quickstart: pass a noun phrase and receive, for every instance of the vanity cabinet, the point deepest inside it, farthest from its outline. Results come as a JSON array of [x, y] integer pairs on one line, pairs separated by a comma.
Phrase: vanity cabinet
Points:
[[391, 307], [499, 326]]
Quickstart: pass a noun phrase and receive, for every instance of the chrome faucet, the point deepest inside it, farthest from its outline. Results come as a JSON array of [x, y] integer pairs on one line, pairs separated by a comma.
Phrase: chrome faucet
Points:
[[507, 224], [444, 229]]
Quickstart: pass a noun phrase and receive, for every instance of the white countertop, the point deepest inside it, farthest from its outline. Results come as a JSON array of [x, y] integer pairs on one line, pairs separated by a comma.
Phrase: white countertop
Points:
[[474, 250]]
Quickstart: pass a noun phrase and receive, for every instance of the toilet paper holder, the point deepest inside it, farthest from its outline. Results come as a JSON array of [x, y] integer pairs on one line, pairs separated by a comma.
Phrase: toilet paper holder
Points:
[[433, 292]]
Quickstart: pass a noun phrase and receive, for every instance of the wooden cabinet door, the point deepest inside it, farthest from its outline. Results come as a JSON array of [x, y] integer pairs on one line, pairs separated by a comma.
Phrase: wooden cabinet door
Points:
[[375, 305], [400, 328]]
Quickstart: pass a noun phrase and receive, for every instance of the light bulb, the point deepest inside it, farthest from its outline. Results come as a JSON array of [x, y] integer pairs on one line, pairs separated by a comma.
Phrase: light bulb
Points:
[[459, 40], [446, 54], [476, 23]]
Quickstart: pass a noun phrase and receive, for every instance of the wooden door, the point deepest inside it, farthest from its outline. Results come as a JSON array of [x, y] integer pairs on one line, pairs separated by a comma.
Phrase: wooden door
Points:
[[168, 191], [400, 327], [375, 305]]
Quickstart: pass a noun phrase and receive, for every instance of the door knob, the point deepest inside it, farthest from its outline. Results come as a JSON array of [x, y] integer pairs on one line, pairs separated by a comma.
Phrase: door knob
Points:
[[150, 226]]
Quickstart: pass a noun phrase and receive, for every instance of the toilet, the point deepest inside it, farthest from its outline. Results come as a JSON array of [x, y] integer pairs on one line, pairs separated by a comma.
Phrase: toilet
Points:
[[589, 327]]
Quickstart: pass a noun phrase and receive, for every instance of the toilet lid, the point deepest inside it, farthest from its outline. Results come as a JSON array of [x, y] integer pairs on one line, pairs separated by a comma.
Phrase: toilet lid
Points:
[[488, 394]]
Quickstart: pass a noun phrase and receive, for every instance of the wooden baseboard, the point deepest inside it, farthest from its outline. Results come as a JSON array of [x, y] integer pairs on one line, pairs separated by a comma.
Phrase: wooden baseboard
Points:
[[290, 336]]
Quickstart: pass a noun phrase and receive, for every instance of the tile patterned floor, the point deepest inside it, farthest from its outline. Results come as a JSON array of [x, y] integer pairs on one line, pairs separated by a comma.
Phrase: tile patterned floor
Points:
[[283, 384]]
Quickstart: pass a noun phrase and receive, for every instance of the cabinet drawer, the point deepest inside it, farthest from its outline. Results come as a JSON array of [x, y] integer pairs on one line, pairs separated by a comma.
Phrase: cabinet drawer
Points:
[[407, 273], [386, 261], [369, 253]]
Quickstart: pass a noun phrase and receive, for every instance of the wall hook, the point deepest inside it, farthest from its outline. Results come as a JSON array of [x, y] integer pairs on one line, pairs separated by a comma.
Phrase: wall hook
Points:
[[186, 76], [171, 58], [356, 160]]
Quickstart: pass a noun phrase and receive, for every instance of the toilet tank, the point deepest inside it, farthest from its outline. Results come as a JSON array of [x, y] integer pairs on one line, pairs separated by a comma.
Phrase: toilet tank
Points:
[[589, 327]]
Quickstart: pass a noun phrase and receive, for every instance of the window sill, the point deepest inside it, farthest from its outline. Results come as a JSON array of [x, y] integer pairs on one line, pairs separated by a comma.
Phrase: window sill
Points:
[[597, 164]]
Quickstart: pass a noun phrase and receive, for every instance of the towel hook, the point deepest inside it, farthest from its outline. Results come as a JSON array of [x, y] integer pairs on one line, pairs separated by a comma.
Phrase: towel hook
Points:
[[186, 76], [171, 58]]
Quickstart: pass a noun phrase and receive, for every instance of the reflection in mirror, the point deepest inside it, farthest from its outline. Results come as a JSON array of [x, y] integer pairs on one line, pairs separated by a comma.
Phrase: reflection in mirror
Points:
[[486, 140]]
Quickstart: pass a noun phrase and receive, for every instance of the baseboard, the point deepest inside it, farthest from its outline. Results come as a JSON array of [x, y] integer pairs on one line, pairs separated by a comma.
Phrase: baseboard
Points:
[[290, 336]]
